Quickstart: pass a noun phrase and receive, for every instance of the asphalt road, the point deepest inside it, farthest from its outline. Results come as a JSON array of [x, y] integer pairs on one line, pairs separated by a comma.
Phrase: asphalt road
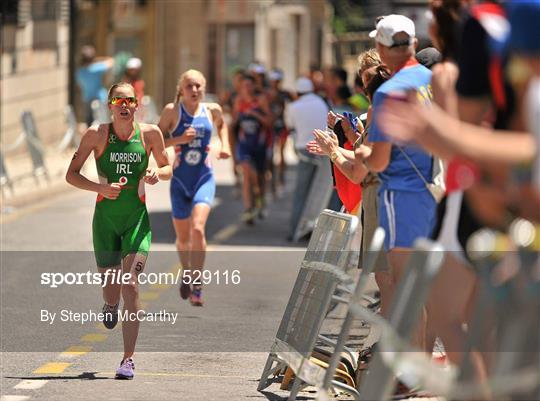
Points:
[[216, 352]]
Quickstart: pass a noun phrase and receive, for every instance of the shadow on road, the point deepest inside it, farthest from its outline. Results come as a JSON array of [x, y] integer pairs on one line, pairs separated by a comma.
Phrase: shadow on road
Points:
[[82, 376]]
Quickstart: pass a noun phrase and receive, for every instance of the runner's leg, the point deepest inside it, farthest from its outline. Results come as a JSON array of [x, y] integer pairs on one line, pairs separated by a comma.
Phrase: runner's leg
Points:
[[246, 185], [182, 228], [198, 250], [398, 258], [446, 306], [112, 288], [133, 264], [202, 204], [199, 217]]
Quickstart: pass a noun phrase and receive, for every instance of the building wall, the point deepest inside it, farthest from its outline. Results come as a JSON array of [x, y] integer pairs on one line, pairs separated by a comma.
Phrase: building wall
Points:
[[34, 72], [293, 36], [183, 41], [212, 36]]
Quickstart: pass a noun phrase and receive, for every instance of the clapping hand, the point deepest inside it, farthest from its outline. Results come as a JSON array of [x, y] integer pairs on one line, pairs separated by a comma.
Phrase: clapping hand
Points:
[[328, 142], [314, 148]]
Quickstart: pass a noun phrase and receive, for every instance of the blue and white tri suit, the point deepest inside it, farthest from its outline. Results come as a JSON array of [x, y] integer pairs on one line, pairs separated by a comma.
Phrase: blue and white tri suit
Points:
[[193, 180]]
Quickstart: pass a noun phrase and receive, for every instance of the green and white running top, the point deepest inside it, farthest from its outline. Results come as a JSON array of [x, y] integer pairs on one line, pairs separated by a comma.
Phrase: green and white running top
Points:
[[125, 163], [121, 226]]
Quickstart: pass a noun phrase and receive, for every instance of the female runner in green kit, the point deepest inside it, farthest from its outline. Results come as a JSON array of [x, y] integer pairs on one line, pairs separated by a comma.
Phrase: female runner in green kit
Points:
[[121, 229]]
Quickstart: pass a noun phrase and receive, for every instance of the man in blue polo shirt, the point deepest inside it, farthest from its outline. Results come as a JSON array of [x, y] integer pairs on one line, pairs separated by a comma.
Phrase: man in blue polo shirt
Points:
[[90, 79], [406, 207]]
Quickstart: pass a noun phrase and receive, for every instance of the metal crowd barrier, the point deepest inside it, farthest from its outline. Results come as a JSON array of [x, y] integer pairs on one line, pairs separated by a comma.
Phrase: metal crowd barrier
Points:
[[148, 112], [71, 138], [34, 146], [320, 192], [357, 297], [4, 177], [322, 270], [36, 150], [514, 371], [100, 112], [327, 375], [404, 314]]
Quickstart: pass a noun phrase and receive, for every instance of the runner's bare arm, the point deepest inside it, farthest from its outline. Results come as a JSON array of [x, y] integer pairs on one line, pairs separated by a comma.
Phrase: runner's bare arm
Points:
[[222, 129], [235, 111], [89, 142], [473, 110], [264, 115], [166, 124], [266, 118], [506, 147], [154, 140], [437, 131]]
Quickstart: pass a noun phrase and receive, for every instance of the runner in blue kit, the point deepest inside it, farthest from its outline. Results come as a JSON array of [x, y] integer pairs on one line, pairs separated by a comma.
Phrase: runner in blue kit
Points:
[[251, 113], [187, 125]]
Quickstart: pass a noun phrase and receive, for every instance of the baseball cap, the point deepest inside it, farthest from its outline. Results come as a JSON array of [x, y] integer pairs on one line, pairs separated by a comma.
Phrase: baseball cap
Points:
[[523, 16], [304, 85], [275, 75], [428, 57], [256, 68], [389, 26], [134, 63]]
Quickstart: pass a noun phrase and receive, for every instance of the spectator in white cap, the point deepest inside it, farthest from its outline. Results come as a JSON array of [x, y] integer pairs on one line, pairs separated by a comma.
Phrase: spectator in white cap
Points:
[[132, 75], [258, 72], [302, 117], [406, 205]]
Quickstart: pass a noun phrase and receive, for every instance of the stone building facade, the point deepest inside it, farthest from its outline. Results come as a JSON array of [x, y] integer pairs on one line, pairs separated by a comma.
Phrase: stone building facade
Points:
[[34, 66]]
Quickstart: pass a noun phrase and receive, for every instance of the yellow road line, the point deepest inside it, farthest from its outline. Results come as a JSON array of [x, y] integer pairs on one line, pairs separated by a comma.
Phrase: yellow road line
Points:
[[52, 367], [159, 287], [175, 269], [94, 338], [100, 327], [149, 296], [226, 233], [76, 350]]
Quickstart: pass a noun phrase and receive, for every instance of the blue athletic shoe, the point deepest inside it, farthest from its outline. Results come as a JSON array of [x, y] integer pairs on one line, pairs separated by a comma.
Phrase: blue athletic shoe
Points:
[[110, 316], [125, 371], [196, 296]]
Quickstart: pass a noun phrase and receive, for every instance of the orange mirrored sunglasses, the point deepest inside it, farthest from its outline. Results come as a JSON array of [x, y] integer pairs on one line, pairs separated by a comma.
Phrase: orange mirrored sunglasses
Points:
[[118, 101]]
